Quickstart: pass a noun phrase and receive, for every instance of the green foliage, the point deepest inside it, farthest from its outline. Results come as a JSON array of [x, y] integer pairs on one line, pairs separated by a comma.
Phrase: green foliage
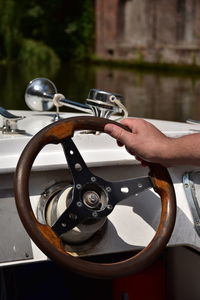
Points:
[[35, 54], [8, 28], [64, 26], [80, 32]]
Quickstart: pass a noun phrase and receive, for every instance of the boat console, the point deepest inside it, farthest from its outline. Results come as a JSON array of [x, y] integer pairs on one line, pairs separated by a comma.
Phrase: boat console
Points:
[[68, 193]]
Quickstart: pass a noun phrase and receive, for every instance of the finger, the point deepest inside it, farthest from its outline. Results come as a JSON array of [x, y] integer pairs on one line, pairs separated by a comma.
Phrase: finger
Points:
[[130, 123], [121, 135]]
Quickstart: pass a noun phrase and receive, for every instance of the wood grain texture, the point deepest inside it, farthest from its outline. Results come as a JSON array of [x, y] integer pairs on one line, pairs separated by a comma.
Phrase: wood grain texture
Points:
[[46, 239]]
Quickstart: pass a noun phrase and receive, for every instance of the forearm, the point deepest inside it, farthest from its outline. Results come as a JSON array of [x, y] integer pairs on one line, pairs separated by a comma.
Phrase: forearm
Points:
[[149, 144], [181, 151]]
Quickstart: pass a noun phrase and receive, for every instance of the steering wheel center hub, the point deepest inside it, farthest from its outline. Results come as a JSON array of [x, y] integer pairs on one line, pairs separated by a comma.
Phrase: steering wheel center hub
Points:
[[91, 199], [94, 197]]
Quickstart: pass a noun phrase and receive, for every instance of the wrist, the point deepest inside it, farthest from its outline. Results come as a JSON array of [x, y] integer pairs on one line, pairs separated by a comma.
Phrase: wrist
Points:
[[168, 156], [181, 151]]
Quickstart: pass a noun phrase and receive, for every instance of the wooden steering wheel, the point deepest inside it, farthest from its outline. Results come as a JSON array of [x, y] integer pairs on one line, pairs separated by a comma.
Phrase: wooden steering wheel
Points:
[[48, 238]]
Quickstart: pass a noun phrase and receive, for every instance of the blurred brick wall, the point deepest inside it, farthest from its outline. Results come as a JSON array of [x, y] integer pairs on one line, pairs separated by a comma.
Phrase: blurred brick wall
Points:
[[162, 31]]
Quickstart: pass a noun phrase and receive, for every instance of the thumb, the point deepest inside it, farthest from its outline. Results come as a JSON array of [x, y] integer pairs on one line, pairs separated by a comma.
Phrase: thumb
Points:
[[118, 133]]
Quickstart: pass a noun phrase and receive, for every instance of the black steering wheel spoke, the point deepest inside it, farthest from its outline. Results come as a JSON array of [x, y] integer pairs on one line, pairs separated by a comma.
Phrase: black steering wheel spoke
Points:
[[76, 163], [120, 190], [71, 217]]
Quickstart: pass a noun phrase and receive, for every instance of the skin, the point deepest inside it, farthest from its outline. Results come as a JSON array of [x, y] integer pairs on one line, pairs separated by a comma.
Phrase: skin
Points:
[[149, 144]]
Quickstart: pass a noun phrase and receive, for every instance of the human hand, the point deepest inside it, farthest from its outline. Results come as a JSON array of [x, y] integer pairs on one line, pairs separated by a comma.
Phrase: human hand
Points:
[[145, 141]]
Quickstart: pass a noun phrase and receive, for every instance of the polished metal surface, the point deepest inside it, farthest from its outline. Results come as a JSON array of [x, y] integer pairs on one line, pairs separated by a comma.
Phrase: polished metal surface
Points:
[[41, 95], [52, 204], [91, 199], [46, 196], [102, 103], [10, 122], [99, 95], [75, 105], [191, 183], [191, 121]]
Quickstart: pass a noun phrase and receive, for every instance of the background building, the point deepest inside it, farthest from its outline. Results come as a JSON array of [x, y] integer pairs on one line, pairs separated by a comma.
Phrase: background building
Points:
[[154, 31]]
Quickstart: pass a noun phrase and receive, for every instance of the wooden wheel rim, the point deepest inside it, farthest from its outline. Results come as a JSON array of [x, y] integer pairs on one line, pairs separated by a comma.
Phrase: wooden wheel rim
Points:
[[46, 239]]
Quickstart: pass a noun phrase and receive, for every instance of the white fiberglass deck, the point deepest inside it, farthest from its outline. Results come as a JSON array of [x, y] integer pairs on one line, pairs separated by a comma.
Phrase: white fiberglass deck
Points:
[[133, 222]]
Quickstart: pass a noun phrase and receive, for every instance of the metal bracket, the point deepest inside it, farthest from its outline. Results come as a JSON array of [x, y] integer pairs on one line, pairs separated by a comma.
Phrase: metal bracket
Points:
[[10, 122], [191, 183]]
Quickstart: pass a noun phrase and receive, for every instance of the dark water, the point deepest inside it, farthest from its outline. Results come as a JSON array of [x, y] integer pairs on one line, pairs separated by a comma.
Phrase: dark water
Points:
[[147, 94]]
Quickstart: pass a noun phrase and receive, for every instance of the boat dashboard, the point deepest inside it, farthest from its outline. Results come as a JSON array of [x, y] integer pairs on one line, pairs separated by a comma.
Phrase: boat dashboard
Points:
[[94, 174]]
